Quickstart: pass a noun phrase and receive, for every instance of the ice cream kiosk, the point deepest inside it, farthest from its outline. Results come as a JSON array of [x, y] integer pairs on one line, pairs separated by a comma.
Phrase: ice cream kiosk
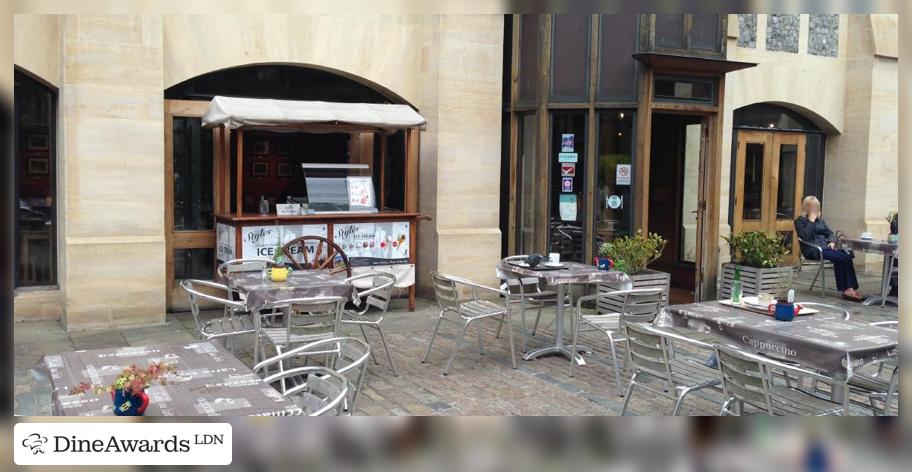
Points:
[[347, 172]]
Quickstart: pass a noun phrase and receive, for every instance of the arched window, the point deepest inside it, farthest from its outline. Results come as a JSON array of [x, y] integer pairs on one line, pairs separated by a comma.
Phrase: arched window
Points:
[[35, 186]]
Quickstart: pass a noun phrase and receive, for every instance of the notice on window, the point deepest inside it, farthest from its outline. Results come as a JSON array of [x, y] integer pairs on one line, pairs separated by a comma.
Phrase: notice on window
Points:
[[567, 207], [622, 174], [567, 142], [361, 192], [567, 157]]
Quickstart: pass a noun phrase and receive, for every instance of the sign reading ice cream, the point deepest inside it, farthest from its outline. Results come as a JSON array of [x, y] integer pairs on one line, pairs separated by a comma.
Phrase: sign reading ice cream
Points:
[[370, 244]]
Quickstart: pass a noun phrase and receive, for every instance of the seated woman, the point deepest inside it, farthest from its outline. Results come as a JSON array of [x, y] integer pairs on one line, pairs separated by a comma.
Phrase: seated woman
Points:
[[812, 229]]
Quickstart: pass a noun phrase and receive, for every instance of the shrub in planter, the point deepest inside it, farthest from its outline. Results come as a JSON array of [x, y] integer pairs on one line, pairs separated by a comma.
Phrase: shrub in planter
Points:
[[757, 254], [631, 255]]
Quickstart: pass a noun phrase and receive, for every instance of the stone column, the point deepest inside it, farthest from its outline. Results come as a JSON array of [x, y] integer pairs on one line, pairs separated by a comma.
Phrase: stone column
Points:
[[461, 66], [861, 180], [112, 174]]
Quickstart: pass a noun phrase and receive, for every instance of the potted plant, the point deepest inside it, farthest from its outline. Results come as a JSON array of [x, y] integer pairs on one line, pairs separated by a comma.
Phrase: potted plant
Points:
[[128, 391], [632, 255], [893, 219], [756, 255]]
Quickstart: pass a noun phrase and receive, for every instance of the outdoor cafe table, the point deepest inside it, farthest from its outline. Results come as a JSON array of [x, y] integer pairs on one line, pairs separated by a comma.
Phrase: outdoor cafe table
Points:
[[259, 290], [572, 273], [890, 252], [209, 382], [821, 342]]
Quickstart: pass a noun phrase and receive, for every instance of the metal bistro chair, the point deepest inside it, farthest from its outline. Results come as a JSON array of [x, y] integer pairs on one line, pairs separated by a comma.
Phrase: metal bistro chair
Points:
[[375, 303], [639, 306], [650, 351], [528, 293], [236, 321], [305, 320], [446, 287], [747, 378], [316, 390], [821, 264], [344, 355], [237, 266]]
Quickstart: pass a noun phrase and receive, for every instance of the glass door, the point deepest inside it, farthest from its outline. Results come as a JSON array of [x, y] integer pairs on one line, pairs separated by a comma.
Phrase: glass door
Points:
[[769, 185], [189, 198], [567, 160]]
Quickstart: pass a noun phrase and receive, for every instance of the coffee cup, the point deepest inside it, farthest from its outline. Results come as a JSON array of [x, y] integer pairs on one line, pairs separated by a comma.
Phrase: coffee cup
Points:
[[764, 298], [554, 257]]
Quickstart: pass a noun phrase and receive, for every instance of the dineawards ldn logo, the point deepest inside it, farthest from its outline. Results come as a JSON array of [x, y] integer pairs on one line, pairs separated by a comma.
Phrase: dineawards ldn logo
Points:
[[122, 444]]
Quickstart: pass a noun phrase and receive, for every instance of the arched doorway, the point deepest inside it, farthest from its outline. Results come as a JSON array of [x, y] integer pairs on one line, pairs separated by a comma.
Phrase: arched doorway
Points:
[[777, 159], [197, 186]]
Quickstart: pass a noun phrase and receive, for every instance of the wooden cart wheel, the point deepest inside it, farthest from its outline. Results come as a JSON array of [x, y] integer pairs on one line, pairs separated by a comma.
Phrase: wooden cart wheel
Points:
[[323, 257]]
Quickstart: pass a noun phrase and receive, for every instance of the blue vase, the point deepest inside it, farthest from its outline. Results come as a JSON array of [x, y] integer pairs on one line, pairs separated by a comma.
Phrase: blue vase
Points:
[[126, 404]]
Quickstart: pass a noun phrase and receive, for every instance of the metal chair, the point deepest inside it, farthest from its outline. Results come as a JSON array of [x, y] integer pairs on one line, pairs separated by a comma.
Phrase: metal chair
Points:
[[236, 321], [446, 288], [375, 303], [640, 305], [649, 349], [316, 390], [747, 378], [326, 255], [237, 266], [528, 293], [305, 320], [821, 264]]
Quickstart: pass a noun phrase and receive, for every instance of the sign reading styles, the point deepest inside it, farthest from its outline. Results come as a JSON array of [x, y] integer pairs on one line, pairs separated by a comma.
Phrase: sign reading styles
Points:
[[259, 242], [371, 244]]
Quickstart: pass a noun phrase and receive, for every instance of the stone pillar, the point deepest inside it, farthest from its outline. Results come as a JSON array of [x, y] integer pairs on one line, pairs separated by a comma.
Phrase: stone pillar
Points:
[[461, 66], [861, 179], [111, 183]]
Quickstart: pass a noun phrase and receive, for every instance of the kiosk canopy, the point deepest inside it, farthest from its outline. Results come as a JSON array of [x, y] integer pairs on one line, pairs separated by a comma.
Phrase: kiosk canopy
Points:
[[234, 113]]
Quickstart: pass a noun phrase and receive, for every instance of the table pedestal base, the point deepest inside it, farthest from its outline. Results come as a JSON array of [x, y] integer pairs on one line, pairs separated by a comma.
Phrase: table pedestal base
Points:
[[559, 351]]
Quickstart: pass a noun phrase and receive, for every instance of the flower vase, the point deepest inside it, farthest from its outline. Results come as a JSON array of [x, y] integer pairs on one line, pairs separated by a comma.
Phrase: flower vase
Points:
[[129, 403]]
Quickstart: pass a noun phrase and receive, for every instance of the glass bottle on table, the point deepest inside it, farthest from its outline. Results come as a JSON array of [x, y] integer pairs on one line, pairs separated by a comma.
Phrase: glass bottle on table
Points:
[[736, 287]]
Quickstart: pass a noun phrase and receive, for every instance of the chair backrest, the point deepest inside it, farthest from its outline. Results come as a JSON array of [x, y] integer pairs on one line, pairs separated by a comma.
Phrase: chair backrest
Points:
[[446, 292], [345, 355], [244, 265], [313, 318], [648, 350], [317, 390], [381, 293], [744, 378], [195, 294], [641, 305], [326, 255]]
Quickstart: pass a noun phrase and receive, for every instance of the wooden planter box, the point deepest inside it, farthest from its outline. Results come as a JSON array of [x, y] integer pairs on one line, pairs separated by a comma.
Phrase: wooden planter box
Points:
[[753, 280], [646, 278]]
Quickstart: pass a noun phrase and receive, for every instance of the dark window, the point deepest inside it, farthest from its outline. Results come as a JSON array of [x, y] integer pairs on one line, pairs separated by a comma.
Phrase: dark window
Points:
[[771, 117], [617, 67], [704, 32], [528, 181], [753, 182], [36, 192], [193, 197], [394, 172], [529, 52], [613, 192], [570, 58], [568, 208], [277, 81], [684, 89], [194, 263], [669, 31]]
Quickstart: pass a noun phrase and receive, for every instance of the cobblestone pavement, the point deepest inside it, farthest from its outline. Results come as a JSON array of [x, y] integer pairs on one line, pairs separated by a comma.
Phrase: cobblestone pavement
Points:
[[476, 385]]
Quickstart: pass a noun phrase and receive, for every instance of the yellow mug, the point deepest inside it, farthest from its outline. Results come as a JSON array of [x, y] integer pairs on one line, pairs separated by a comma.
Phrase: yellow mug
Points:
[[278, 274]]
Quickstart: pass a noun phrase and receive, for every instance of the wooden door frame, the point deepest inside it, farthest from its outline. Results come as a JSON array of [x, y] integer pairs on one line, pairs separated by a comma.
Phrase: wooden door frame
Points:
[[709, 187], [184, 239], [772, 141]]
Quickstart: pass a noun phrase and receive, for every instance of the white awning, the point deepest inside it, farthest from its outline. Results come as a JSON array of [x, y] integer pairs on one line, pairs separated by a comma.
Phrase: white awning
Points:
[[236, 113]]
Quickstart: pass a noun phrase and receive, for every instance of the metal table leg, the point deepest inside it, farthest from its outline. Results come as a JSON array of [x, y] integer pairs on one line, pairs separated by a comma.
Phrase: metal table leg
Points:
[[883, 299], [559, 348]]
